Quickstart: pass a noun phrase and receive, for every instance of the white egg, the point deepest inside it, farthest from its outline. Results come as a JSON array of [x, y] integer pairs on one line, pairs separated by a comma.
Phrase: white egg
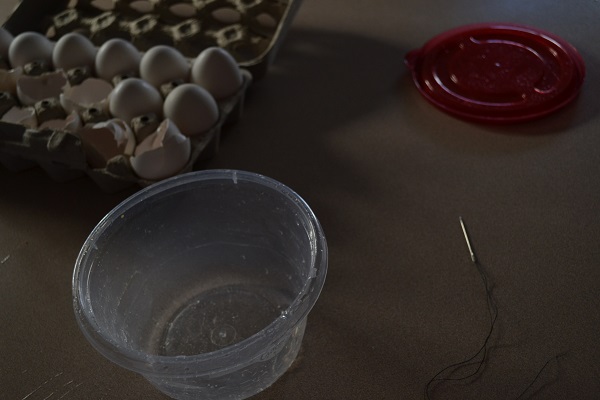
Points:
[[162, 154], [6, 39], [74, 50], [134, 97], [217, 71], [162, 64], [116, 57], [191, 108], [28, 47]]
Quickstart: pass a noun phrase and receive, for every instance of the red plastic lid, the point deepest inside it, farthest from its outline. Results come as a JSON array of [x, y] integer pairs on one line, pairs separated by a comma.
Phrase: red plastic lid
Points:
[[497, 73]]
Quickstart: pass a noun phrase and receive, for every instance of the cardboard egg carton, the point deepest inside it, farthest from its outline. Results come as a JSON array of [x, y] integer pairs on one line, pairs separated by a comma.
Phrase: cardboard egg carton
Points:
[[61, 154], [251, 30]]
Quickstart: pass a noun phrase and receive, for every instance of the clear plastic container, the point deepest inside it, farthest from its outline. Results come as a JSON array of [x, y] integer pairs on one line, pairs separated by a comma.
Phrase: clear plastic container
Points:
[[202, 283]]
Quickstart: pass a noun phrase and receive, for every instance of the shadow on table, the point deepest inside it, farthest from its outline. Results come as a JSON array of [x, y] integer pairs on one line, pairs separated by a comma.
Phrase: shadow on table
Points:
[[296, 123]]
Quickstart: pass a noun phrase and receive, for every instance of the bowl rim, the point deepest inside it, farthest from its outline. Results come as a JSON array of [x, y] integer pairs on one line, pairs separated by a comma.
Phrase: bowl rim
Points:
[[216, 362]]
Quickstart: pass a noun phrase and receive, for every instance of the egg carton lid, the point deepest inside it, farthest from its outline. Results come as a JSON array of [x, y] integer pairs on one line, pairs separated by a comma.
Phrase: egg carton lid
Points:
[[251, 30]]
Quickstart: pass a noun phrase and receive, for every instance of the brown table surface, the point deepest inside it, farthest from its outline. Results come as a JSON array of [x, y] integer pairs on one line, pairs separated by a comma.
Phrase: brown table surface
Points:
[[338, 119]]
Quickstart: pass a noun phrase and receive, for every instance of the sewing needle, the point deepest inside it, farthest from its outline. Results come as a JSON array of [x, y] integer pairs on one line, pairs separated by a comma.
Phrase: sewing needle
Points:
[[464, 229]]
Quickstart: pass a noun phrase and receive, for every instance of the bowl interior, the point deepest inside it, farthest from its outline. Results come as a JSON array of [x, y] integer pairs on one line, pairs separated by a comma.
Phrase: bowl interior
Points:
[[197, 265]]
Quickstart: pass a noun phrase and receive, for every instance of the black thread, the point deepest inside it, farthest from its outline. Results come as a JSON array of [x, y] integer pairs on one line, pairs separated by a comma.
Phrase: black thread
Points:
[[538, 375], [482, 353], [483, 350]]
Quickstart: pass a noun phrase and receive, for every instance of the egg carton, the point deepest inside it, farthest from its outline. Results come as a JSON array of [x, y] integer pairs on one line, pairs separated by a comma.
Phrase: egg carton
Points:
[[250, 30], [237, 25], [61, 154]]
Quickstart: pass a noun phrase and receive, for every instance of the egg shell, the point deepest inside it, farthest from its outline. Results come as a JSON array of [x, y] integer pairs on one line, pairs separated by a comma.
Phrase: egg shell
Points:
[[71, 123], [9, 79], [163, 64], [6, 39], [191, 108], [92, 92], [123, 134], [162, 154], [30, 46], [134, 97], [22, 116], [31, 89], [217, 71], [106, 140], [116, 57], [74, 50]]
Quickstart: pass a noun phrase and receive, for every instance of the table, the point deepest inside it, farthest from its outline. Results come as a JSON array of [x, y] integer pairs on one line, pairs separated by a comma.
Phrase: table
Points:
[[338, 119]]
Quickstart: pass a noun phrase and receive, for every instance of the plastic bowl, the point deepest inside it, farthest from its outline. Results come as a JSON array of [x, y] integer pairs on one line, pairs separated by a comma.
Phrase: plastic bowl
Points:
[[202, 283]]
